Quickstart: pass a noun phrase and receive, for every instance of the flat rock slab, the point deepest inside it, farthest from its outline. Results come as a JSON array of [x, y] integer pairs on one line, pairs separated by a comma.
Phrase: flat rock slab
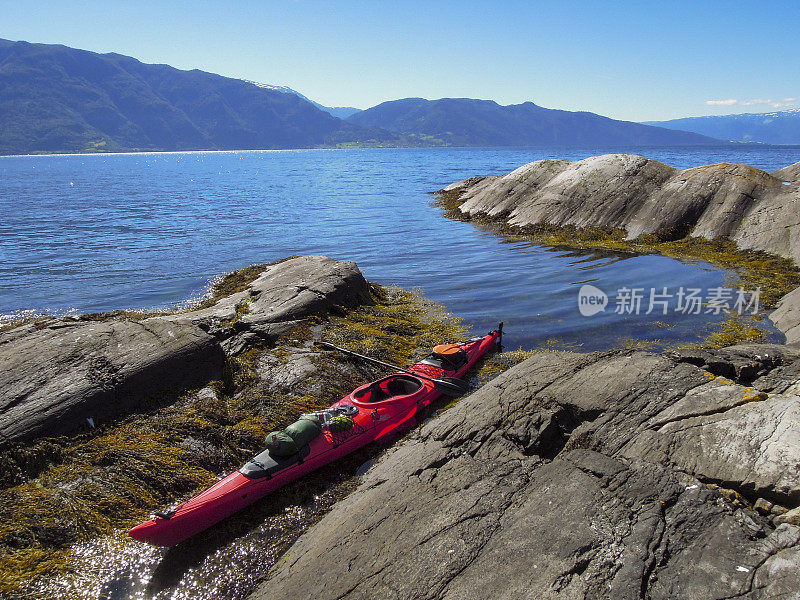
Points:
[[55, 378], [750, 445], [544, 484], [787, 316]]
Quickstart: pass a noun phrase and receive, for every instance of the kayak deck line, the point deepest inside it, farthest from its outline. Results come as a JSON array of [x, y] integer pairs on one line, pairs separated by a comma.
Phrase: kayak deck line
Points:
[[369, 413]]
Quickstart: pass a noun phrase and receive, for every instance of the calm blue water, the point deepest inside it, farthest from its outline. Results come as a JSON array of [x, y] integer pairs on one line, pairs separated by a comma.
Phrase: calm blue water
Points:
[[102, 232]]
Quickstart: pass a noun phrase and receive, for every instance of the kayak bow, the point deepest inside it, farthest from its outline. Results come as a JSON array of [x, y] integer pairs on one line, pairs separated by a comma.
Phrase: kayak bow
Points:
[[370, 412]]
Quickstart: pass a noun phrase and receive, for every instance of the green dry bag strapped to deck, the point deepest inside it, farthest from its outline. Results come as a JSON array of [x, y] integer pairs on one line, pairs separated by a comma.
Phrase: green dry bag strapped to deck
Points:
[[304, 430], [289, 441], [281, 444]]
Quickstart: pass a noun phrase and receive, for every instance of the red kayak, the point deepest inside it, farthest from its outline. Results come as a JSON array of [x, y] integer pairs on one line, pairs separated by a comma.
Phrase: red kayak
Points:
[[371, 412]]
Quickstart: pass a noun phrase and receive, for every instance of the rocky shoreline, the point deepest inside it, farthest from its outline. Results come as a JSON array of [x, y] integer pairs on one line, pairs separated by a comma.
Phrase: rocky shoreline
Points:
[[62, 374], [614, 475], [736, 216], [608, 475]]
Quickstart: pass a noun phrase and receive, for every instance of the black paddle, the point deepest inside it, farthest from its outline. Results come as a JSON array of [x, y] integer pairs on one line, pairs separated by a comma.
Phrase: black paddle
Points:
[[448, 386]]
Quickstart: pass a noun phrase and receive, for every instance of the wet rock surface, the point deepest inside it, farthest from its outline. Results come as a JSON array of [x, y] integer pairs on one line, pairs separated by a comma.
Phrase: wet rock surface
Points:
[[59, 375], [787, 316], [608, 475]]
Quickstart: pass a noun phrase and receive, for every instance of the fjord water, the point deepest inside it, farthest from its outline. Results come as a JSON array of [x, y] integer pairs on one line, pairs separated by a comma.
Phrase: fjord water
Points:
[[101, 232]]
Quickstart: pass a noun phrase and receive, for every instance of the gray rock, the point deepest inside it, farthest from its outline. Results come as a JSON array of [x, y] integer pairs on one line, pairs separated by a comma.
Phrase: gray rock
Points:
[[790, 174], [777, 510], [278, 300], [791, 517], [540, 485], [745, 363], [763, 506], [786, 316], [749, 444], [289, 373], [644, 196], [207, 394], [57, 377], [364, 468]]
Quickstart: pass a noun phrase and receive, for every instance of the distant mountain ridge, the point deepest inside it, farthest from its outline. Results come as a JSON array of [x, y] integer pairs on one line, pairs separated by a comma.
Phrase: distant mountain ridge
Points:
[[778, 127], [341, 112], [468, 122], [59, 99]]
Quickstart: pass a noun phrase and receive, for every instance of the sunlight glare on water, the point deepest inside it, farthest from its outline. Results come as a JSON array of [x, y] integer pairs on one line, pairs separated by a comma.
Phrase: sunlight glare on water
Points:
[[117, 567]]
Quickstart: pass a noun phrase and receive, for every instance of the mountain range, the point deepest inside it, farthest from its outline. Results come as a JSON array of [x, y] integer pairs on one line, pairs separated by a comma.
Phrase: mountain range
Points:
[[467, 122], [780, 127], [59, 99]]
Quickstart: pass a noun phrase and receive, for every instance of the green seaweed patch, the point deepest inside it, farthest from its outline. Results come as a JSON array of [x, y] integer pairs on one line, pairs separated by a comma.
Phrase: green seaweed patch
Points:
[[735, 329], [639, 344], [450, 201], [774, 275], [233, 282], [20, 567], [400, 326]]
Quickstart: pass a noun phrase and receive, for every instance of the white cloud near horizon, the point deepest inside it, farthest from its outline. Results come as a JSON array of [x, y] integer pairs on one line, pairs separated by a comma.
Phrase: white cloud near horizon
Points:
[[784, 103]]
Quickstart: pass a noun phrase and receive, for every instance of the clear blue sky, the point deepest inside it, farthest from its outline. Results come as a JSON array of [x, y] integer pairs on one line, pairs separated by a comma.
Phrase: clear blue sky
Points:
[[628, 60]]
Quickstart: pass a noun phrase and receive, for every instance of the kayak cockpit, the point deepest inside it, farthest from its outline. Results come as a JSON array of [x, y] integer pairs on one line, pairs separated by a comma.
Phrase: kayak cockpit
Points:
[[266, 465], [388, 388]]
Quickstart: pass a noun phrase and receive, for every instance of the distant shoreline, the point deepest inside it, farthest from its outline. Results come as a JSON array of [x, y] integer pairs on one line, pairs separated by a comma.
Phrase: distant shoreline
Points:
[[254, 150]]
